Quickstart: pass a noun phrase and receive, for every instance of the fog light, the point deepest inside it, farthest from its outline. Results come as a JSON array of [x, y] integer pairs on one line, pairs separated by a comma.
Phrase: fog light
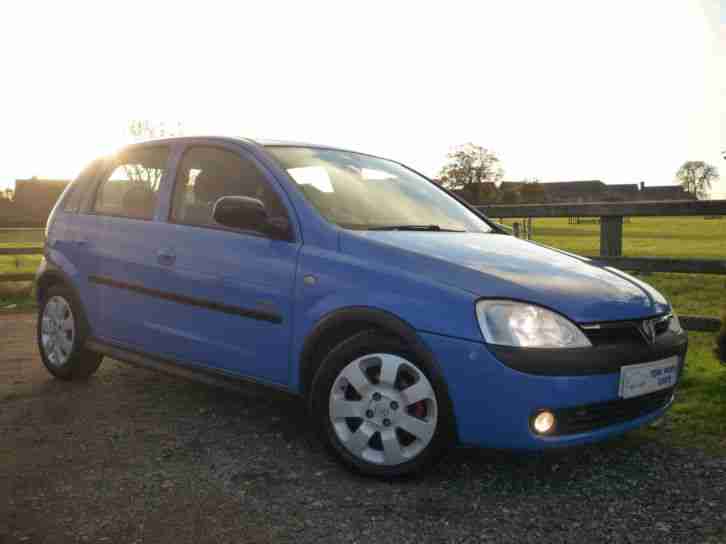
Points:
[[544, 422]]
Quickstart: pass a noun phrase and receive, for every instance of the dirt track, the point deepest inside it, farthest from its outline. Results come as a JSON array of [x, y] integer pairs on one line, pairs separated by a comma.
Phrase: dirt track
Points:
[[134, 456]]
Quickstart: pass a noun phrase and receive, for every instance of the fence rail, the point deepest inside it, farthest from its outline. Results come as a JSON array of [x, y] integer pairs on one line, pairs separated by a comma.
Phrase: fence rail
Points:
[[664, 264], [23, 276], [33, 250], [608, 209], [638, 264], [611, 216]]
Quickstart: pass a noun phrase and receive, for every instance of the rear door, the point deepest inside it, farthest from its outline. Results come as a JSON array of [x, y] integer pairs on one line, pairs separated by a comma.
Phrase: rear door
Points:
[[125, 242], [228, 294]]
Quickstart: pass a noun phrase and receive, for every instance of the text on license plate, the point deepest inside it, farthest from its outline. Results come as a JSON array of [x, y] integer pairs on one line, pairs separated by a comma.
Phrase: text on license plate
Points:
[[636, 380]]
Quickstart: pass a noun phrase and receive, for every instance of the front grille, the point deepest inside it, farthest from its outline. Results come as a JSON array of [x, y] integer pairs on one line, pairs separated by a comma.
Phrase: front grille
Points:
[[589, 417], [624, 332], [610, 336]]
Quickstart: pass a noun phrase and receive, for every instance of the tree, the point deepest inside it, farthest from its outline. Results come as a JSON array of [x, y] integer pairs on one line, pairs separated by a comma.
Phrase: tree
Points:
[[469, 164], [696, 177]]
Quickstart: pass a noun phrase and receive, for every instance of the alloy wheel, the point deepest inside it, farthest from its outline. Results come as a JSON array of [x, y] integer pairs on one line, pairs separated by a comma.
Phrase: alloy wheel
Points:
[[58, 331], [383, 409]]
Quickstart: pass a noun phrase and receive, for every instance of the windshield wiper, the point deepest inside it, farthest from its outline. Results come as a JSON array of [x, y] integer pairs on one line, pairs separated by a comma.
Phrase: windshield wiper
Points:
[[425, 228]]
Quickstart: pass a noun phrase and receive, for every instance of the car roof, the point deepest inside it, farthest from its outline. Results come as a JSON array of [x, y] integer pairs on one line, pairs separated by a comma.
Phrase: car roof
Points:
[[232, 139]]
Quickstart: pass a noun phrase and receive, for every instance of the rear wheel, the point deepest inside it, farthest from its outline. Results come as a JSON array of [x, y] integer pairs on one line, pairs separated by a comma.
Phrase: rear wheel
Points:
[[381, 411], [61, 333]]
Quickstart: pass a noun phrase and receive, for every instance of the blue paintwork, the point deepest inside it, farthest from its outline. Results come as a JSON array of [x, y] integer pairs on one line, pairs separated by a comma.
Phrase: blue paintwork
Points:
[[430, 280], [493, 403]]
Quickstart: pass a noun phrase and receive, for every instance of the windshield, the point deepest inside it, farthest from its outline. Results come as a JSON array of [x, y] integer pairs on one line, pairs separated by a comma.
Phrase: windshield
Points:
[[362, 192]]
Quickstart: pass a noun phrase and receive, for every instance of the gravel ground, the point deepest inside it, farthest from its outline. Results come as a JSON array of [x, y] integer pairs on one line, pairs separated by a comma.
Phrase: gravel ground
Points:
[[135, 456]]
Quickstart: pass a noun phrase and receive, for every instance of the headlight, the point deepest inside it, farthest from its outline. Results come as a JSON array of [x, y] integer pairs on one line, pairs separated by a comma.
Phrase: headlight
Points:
[[509, 323], [674, 324]]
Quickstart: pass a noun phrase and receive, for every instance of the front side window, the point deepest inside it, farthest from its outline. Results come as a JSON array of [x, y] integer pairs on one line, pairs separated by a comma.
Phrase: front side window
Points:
[[207, 174], [367, 193], [131, 184]]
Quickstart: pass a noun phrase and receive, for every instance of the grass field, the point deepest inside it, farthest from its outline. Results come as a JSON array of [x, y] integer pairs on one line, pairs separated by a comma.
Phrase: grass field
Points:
[[17, 294], [699, 416], [693, 237], [14, 264], [643, 236]]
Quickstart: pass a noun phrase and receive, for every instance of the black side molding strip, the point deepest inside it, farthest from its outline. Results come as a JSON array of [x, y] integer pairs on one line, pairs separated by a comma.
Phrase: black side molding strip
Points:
[[209, 376], [260, 315]]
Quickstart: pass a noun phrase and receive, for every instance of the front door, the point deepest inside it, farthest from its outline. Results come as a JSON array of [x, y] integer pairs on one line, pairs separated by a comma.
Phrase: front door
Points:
[[226, 302]]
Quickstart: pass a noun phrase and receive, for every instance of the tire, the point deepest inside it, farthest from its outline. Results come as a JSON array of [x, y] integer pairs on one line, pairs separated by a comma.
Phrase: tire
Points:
[[61, 332], [361, 401]]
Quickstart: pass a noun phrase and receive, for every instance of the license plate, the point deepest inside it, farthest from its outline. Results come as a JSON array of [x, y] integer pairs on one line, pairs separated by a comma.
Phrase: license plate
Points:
[[636, 380]]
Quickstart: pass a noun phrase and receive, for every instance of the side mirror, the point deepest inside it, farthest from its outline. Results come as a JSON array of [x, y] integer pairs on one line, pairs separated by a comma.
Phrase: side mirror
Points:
[[240, 212]]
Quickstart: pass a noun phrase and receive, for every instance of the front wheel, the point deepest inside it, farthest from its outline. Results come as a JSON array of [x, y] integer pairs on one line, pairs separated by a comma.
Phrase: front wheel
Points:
[[381, 411], [61, 334]]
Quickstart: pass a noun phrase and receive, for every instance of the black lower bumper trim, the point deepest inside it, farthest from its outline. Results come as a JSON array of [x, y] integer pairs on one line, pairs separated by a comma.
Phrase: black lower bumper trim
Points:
[[589, 417]]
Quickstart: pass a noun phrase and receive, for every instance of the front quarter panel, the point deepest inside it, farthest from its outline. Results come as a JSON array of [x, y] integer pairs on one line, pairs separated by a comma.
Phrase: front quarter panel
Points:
[[329, 280]]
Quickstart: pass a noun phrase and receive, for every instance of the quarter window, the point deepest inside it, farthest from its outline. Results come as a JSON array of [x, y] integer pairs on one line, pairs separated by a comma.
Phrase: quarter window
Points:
[[206, 174], [131, 186], [72, 202]]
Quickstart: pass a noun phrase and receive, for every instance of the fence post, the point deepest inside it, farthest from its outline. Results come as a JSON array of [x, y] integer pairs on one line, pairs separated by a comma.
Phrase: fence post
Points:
[[529, 228], [611, 236], [515, 228]]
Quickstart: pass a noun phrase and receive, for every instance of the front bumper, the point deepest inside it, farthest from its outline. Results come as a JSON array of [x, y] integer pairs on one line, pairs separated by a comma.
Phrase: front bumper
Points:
[[493, 403]]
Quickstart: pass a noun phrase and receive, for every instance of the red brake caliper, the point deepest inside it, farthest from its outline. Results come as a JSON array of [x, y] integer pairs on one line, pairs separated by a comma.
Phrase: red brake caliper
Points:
[[418, 409]]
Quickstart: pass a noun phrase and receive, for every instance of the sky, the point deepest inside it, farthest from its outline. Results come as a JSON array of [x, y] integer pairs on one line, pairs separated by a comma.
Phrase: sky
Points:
[[620, 91]]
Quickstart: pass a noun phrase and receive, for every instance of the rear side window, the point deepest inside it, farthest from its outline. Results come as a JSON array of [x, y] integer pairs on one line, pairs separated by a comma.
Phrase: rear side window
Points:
[[130, 185], [206, 174], [73, 199]]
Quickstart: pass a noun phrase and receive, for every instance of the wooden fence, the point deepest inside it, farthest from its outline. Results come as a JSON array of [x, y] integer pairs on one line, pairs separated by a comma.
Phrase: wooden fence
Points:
[[31, 250], [611, 216]]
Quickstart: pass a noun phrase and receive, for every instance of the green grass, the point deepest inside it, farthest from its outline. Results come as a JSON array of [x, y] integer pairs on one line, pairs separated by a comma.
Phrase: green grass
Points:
[[21, 237], [686, 237], [18, 294], [18, 264], [699, 415]]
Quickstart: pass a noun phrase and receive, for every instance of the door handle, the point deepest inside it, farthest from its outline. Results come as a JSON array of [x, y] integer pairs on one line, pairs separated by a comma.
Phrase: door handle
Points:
[[165, 257]]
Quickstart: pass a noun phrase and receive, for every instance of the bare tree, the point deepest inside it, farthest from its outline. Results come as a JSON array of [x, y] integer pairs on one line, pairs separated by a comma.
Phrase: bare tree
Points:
[[143, 129], [696, 177]]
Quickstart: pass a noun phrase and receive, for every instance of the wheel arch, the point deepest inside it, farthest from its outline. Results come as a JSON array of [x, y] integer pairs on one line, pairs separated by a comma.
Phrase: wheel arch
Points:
[[48, 276], [340, 324]]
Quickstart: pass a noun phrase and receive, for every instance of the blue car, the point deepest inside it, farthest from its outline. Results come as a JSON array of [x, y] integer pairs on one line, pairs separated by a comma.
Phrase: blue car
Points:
[[407, 320]]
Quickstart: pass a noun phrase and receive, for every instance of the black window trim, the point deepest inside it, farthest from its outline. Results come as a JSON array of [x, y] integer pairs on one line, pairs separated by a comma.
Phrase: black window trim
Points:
[[110, 164], [242, 153]]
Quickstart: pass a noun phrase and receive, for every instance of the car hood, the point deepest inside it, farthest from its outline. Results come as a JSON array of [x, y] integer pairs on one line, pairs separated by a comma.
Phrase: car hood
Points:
[[496, 265]]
